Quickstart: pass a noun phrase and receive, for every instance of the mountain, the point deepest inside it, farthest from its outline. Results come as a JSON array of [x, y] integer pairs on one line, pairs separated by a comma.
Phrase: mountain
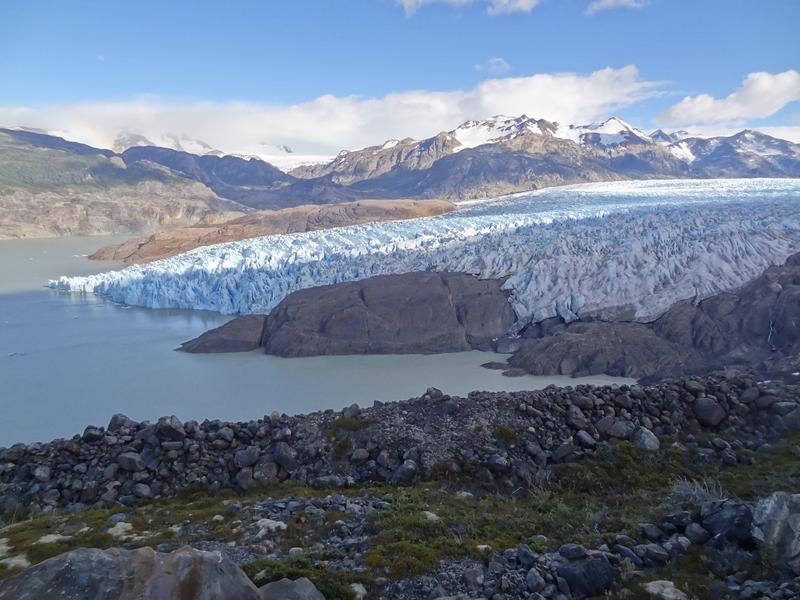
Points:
[[246, 180], [50, 186], [512, 154], [479, 158]]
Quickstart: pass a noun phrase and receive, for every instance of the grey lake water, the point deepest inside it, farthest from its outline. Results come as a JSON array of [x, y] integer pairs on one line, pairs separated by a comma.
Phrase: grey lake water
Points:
[[70, 360]]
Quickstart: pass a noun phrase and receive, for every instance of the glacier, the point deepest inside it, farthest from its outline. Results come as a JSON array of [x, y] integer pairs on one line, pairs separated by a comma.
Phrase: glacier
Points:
[[620, 249]]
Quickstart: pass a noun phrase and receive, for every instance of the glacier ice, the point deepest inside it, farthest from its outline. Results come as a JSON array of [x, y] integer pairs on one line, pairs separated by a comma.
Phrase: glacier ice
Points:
[[629, 249]]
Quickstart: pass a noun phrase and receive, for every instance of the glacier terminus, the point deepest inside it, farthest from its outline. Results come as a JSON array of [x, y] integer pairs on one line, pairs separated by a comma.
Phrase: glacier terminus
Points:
[[626, 249]]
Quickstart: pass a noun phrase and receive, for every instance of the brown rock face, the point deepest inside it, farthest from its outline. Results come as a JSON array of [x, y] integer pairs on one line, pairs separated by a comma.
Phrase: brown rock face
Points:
[[289, 220], [756, 325], [390, 314]]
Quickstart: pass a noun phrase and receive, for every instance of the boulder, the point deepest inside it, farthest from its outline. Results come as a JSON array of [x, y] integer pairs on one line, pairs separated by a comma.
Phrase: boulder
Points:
[[729, 519], [776, 528], [131, 461], [708, 411], [645, 439], [141, 574], [589, 577], [170, 429], [420, 312], [242, 334], [286, 589]]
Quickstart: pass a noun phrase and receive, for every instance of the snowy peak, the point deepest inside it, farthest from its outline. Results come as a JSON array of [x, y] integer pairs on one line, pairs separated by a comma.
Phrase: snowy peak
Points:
[[498, 128], [611, 132]]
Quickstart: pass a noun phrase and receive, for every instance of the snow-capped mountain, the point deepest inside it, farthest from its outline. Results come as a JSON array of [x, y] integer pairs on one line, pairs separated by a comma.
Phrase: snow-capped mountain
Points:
[[611, 132]]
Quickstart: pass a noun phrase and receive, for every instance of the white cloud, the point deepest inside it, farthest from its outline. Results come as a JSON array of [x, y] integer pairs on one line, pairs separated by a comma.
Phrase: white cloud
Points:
[[761, 95], [600, 5], [494, 7], [329, 123], [493, 66]]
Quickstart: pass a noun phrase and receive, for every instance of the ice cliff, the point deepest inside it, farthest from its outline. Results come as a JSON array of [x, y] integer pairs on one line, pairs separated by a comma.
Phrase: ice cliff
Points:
[[627, 248]]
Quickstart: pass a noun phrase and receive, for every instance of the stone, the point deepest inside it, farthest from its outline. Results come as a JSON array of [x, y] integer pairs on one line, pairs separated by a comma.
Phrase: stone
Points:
[[656, 553], [359, 455], [285, 456], [696, 533], [572, 551], [247, 457], [525, 556], [651, 532], [576, 418], [695, 387], [131, 461], [120, 421], [42, 473], [92, 434], [589, 577], [351, 412], [170, 429], [141, 574], [473, 576], [584, 439], [265, 472], [621, 429], [406, 472], [776, 527], [534, 581], [729, 519], [645, 439], [708, 411], [286, 589], [664, 590], [142, 490]]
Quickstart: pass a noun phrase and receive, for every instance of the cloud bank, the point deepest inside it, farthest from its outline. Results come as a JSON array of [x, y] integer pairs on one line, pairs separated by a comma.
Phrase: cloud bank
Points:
[[759, 96], [330, 123]]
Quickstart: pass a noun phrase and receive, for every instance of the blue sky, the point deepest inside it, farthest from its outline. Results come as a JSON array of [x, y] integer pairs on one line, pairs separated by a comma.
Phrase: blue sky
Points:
[[57, 56]]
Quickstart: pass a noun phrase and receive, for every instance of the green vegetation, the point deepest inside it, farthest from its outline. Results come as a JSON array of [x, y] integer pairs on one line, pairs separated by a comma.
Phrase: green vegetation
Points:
[[589, 502], [505, 435], [334, 585]]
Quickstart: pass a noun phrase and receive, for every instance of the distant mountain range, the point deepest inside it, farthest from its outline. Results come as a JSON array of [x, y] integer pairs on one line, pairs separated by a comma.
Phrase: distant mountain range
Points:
[[477, 159]]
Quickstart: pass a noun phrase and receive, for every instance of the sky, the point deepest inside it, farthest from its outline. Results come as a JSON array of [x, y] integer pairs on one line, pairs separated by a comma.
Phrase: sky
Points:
[[324, 75]]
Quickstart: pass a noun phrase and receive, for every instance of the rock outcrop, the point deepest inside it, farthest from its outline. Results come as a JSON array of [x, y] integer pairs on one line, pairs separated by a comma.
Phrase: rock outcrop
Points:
[[756, 325], [141, 574], [420, 312], [289, 220]]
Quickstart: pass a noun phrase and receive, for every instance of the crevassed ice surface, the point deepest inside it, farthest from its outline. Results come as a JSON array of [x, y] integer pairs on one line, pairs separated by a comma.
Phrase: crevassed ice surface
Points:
[[626, 248]]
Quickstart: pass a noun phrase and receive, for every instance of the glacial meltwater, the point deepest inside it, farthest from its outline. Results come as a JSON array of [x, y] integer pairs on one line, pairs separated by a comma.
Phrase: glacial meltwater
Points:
[[68, 360]]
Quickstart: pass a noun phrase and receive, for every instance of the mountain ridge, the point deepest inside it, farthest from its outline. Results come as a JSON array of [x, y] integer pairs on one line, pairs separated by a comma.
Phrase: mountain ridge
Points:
[[477, 159]]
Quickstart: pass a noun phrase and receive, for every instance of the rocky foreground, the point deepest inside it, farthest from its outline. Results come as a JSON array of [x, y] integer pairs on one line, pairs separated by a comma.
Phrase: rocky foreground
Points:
[[662, 491]]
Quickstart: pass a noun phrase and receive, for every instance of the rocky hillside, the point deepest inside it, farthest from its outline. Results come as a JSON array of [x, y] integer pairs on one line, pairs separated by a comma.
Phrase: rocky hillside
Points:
[[675, 490], [287, 220], [757, 325], [52, 187]]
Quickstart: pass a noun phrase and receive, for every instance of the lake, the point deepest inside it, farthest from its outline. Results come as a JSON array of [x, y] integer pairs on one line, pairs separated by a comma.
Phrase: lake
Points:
[[68, 360]]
